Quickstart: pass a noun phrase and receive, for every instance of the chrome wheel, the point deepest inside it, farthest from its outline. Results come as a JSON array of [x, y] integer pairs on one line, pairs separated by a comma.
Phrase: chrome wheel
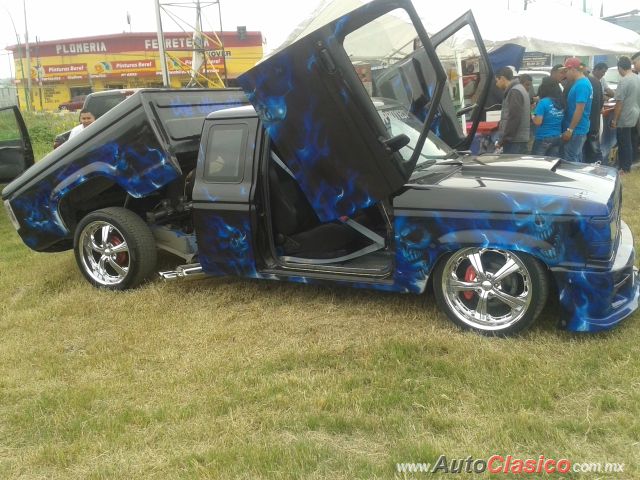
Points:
[[104, 253], [487, 289]]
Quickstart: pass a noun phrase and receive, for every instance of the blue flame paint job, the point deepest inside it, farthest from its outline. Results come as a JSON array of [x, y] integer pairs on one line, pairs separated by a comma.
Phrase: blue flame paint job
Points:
[[124, 149], [225, 243], [136, 164], [591, 299], [316, 118]]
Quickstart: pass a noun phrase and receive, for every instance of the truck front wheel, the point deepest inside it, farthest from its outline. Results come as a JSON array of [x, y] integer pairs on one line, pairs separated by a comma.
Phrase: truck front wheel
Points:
[[491, 291], [115, 249]]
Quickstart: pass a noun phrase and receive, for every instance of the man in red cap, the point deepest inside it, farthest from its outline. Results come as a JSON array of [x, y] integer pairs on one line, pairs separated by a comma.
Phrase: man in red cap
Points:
[[578, 111]]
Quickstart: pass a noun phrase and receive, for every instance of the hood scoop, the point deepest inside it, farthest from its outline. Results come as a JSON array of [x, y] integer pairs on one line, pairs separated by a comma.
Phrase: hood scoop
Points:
[[519, 168]]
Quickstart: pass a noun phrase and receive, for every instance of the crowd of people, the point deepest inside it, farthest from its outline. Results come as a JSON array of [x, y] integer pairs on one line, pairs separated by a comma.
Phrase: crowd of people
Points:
[[566, 113]]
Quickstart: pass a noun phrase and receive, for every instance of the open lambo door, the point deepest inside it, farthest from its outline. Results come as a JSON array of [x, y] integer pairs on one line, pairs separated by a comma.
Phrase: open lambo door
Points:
[[463, 57], [315, 100], [16, 154]]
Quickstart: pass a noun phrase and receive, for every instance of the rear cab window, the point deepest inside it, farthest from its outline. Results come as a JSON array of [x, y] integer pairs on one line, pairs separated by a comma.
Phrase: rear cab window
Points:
[[225, 154]]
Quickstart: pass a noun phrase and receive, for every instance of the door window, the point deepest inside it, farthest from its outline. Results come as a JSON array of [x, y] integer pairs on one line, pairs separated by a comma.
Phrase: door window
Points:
[[10, 134], [225, 153]]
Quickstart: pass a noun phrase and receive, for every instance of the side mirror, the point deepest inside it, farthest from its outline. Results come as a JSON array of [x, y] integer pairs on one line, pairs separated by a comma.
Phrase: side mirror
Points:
[[394, 144]]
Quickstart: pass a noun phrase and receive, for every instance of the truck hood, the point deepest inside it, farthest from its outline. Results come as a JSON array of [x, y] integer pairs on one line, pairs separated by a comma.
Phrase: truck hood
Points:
[[513, 184]]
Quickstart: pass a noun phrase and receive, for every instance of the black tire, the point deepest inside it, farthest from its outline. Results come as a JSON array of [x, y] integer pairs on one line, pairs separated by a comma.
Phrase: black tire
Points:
[[484, 303], [115, 249]]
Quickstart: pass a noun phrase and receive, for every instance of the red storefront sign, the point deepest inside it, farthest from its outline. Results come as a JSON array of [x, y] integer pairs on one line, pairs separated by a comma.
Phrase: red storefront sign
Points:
[[137, 42], [70, 69]]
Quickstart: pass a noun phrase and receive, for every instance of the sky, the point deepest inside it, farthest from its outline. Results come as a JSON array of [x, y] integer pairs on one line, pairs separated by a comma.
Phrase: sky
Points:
[[62, 19]]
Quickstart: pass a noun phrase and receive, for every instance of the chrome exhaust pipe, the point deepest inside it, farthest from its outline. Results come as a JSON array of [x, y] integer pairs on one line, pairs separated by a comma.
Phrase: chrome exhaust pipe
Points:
[[182, 271]]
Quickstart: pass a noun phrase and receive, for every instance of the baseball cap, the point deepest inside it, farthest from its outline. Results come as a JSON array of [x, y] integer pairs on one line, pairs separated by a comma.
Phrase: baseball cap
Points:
[[572, 62]]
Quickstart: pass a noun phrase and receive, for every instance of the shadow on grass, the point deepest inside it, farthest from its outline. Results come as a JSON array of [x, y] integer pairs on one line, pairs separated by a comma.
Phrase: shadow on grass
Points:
[[367, 301]]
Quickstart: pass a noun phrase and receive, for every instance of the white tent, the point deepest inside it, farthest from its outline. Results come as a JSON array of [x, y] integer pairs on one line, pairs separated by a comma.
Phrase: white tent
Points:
[[543, 28]]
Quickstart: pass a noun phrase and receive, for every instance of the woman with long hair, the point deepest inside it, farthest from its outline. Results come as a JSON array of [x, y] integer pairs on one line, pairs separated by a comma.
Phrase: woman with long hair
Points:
[[548, 117]]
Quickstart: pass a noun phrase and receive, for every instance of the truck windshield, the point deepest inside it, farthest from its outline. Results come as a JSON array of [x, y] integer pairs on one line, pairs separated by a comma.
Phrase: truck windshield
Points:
[[399, 121]]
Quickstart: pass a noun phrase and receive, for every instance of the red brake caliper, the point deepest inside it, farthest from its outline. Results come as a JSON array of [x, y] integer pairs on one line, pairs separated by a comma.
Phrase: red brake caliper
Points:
[[469, 276], [121, 258]]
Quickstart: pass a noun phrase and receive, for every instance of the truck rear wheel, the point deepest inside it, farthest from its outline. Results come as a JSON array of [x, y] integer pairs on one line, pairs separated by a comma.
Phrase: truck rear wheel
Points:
[[115, 249]]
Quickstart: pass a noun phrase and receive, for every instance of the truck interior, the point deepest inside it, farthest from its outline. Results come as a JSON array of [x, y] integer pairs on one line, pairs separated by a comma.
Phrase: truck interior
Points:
[[298, 240]]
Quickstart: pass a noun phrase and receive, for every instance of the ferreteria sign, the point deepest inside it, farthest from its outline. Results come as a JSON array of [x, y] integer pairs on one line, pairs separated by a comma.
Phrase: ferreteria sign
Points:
[[180, 43], [139, 42]]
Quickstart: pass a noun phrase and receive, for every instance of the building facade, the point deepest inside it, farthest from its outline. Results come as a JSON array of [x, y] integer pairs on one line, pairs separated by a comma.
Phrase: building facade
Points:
[[64, 69]]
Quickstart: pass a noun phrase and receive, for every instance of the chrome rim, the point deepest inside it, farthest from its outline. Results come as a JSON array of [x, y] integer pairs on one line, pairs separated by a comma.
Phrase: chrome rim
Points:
[[487, 289], [104, 253]]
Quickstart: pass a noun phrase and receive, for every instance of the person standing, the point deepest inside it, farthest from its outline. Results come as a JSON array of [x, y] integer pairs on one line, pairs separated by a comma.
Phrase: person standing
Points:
[[557, 76], [578, 111], [635, 139], [635, 59], [592, 152], [86, 119], [548, 117], [515, 116], [527, 82], [626, 113], [599, 71]]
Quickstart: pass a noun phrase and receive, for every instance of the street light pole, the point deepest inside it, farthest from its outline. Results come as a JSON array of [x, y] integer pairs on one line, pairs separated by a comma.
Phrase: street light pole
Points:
[[224, 54], [163, 58], [15, 30], [26, 42]]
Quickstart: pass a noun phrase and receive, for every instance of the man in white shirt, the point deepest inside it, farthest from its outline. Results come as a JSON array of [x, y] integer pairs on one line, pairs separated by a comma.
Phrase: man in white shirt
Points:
[[86, 119]]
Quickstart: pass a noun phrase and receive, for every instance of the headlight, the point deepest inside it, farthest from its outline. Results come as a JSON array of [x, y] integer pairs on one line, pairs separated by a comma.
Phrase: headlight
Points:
[[12, 217], [614, 226]]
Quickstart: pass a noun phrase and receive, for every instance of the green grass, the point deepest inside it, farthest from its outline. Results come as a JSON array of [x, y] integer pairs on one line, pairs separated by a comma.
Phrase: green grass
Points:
[[43, 128], [226, 378]]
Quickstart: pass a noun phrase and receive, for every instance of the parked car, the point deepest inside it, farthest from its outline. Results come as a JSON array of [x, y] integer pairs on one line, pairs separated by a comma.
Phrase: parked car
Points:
[[319, 181], [536, 76], [612, 77], [97, 103], [74, 104]]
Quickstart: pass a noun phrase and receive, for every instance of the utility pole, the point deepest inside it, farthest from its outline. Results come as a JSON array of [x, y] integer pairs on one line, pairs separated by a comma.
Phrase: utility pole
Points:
[[15, 30], [39, 73], [200, 43], [163, 58], [26, 42], [224, 54]]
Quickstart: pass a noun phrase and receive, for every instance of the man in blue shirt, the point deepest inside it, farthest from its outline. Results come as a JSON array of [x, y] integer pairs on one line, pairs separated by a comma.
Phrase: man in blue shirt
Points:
[[578, 111]]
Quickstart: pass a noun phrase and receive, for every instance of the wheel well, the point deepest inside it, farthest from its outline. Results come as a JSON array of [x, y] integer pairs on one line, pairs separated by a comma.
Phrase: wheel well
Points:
[[443, 258], [94, 194]]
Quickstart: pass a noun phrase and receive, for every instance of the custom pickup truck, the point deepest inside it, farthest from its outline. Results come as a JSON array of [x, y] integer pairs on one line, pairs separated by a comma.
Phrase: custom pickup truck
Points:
[[316, 173]]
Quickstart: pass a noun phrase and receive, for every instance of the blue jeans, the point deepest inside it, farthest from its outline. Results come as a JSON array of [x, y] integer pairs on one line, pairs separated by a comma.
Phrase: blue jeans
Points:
[[548, 146], [573, 148], [591, 151], [625, 152], [515, 148]]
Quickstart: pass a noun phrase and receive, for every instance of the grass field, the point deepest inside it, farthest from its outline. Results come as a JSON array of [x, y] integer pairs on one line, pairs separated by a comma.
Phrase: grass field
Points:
[[225, 378]]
